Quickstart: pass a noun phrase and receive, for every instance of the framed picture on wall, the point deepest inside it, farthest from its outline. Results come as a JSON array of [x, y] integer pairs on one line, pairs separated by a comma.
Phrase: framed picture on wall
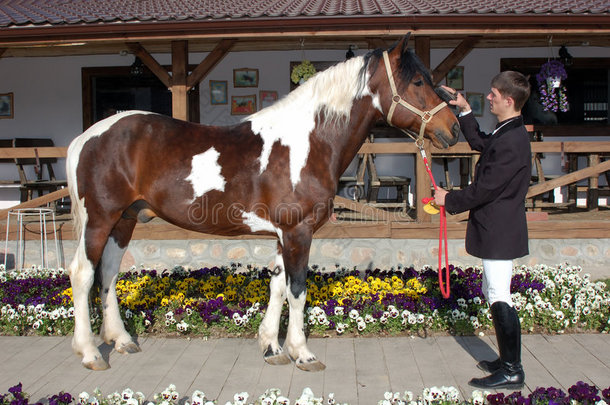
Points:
[[245, 77], [243, 105], [476, 103], [218, 92], [6, 105], [267, 97], [455, 78]]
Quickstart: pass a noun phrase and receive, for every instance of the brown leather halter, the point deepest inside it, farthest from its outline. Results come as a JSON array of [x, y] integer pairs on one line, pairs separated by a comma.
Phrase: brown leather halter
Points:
[[426, 116]]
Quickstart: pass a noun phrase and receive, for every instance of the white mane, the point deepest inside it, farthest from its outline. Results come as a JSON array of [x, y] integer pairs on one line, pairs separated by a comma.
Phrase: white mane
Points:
[[331, 91]]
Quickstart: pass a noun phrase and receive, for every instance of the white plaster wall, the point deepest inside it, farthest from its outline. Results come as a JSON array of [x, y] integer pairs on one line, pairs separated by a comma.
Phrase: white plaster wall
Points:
[[48, 92]]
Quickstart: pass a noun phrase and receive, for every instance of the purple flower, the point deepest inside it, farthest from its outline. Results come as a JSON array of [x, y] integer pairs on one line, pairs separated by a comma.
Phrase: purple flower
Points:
[[584, 393]]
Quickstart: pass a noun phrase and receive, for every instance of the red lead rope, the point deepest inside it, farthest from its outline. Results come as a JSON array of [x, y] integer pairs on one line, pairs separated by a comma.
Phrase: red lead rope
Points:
[[442, 238]]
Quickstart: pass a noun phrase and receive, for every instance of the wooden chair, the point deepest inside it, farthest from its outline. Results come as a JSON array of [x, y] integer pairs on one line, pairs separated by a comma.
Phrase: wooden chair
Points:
[[542, 201], [376, 182], [42, 183]]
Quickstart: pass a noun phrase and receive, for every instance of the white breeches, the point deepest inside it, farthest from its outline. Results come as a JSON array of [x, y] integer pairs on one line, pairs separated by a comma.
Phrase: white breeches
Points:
[[497, 276]]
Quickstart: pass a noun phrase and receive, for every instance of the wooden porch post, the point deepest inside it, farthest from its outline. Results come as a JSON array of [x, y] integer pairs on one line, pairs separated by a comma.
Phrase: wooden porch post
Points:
[[179, 88], [422, 180]]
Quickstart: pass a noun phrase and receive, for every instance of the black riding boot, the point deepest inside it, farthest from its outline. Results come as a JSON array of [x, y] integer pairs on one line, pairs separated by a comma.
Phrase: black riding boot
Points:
[[509, 373]]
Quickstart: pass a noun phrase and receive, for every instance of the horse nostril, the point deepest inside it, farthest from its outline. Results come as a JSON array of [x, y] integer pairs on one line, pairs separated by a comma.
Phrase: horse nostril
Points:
[[456, 131]]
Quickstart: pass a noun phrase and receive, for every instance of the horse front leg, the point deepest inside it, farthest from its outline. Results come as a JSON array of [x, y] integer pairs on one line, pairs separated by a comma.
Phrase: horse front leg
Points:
[[297, 243], [113, 329], [269, 328]]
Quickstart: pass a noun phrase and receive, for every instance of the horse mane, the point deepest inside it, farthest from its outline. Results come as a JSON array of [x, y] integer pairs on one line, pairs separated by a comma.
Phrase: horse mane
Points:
[[408, 66], [331, 92]]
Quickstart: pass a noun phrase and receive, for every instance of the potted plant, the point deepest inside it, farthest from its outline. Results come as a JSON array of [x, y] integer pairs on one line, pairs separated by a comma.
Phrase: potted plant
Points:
[[301, 72], [552, 92]]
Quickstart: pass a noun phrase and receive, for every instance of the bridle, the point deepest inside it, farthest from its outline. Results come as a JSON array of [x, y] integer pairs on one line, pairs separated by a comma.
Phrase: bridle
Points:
[[426, 116]]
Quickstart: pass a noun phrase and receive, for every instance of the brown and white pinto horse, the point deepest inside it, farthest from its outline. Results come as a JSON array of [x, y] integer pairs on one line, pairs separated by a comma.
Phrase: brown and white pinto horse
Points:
[[276, 173]]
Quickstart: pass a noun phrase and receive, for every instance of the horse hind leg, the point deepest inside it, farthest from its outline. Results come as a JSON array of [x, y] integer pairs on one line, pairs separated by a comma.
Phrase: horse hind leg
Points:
[[296, 256], [82, 275], [113, 329], [269, 328]]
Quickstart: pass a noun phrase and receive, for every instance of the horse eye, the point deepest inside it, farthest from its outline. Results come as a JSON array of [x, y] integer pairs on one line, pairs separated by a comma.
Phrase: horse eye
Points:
[[418, 83]]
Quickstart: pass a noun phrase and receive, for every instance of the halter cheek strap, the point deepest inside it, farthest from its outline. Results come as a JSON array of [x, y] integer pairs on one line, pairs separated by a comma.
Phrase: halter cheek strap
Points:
[[426, 116]]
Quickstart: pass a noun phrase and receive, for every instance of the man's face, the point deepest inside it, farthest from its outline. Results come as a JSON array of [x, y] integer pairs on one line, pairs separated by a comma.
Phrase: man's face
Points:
[[498, 104]]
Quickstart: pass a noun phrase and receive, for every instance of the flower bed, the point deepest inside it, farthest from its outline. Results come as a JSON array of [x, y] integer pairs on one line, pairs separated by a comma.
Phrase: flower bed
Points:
[[231, 301], [578, 394]]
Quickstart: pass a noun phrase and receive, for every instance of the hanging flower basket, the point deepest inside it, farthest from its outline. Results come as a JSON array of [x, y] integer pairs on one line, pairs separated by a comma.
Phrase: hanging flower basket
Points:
[[552, 92], [301, 72]]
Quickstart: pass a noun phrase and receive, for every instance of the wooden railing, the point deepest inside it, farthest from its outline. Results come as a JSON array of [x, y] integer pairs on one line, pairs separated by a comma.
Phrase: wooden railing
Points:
[[594, 150]]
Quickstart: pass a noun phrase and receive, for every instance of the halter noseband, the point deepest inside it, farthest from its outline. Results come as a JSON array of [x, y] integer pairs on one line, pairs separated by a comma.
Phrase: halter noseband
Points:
[[426, 116]]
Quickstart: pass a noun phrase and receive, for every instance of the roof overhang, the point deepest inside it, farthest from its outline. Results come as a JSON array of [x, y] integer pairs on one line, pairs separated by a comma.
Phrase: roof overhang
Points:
[[283, 33]]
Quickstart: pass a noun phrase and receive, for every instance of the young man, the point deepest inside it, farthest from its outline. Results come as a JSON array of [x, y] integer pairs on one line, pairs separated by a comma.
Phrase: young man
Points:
[[497, 228]]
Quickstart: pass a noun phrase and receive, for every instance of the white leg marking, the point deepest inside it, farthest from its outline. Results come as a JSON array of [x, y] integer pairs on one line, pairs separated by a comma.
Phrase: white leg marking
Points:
[[269, 328], [295, 337], [205, 173], [81, 278], [113, 329]]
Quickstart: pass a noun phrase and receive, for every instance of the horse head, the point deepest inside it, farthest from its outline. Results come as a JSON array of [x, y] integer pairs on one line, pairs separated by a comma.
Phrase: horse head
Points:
[[407, 97]]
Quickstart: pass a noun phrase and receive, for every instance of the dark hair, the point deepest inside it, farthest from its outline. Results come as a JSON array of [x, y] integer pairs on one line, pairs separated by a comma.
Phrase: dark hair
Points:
[[514, 85]]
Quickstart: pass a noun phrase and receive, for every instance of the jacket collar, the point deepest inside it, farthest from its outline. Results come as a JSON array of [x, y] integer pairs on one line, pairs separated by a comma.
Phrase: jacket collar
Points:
[[508, 124]]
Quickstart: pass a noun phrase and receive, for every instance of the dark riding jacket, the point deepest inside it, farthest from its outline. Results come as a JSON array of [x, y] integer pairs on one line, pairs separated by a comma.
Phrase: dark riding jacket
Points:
[[497, 227]]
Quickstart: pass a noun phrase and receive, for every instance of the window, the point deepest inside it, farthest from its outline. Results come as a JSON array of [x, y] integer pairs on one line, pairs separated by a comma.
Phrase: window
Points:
[[587, 88], [108, 90]]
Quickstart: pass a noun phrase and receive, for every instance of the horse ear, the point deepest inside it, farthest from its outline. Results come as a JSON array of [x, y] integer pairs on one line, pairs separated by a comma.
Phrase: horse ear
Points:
[[405, 42]]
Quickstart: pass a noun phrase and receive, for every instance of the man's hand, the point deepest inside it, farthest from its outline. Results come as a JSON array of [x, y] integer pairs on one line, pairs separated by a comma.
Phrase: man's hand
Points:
[[439, 196], [460, 101]]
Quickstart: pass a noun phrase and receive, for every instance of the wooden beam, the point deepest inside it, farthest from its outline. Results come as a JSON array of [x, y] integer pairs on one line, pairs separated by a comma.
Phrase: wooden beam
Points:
[[150, 62], [455, 57], [37, 202], [568, 179], [210, 61], [179, 88], [43, 152], [422, 49], [376, 43], [361, 207]]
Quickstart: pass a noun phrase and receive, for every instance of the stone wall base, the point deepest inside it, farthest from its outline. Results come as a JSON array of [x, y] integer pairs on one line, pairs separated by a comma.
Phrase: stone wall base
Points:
[[593, 255]]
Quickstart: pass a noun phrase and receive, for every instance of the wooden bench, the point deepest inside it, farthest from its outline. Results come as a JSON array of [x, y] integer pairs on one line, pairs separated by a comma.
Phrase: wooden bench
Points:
[[44, 180]]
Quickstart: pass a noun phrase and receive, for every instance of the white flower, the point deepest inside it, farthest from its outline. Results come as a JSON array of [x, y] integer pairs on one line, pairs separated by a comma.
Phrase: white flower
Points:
[[126, 394], [393, 311], [240, 398], [353, 314], [83, 398], [361, 325], [339, 311]]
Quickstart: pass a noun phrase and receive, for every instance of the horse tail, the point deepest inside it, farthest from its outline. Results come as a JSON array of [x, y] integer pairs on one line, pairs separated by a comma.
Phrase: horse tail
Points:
[[77, 204]]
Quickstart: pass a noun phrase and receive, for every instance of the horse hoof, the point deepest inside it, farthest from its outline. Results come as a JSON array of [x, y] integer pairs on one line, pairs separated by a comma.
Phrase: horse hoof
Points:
[[98, 364], [278, 358], [128, 348], [313, 365]]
